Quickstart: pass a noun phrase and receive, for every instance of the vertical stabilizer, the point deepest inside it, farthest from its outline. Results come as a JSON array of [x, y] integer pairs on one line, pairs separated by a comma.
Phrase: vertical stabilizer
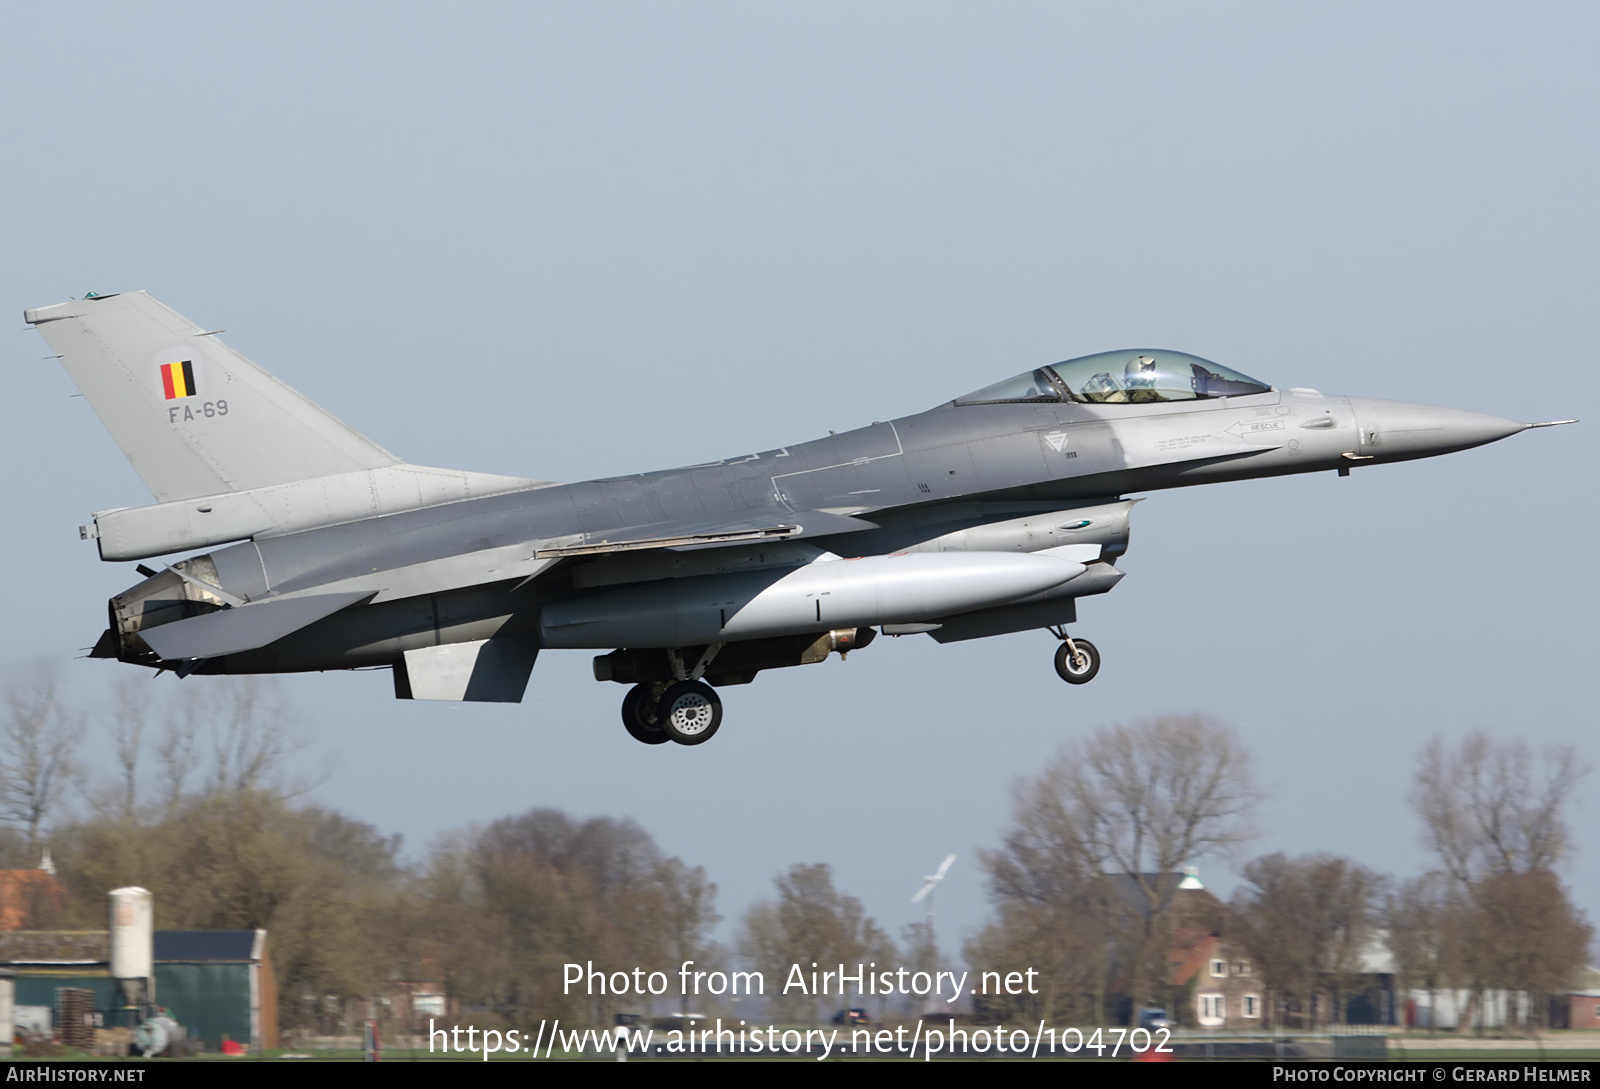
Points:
[[192, 415]]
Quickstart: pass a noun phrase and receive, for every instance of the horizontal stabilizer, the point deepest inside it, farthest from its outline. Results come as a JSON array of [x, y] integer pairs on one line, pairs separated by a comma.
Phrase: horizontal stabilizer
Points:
[[232, 631]]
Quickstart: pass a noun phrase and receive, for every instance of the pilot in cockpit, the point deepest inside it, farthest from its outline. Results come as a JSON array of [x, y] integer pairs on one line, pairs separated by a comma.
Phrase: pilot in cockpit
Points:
[[1139, 380]]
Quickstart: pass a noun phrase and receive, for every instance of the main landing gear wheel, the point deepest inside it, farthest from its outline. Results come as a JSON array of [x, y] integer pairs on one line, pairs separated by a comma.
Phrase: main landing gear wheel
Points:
[[689, 712], [1078, 661], [639, 715]]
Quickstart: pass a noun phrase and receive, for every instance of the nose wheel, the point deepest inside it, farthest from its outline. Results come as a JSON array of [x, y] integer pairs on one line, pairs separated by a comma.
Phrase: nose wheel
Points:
[[688, 712], [1077, 660]]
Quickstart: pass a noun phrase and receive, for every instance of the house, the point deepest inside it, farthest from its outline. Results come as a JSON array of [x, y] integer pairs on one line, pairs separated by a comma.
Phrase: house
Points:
[[1448, 1008], [1211, 979], [1215, 978], [404, 1007], [31, 899], [1578, 1008]]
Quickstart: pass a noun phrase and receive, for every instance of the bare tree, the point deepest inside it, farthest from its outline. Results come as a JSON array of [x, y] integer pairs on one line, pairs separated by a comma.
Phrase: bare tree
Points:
[[130, 718], [253, 735], [1055, 910], [810, 922], [39, 739], [688, 912], [1067, 943], [205, 738], [1307, 922], [1524, 935], [1493, 808], [1142, 801], [1424, 919], [176, 750], [1496, 816], [510, 904]]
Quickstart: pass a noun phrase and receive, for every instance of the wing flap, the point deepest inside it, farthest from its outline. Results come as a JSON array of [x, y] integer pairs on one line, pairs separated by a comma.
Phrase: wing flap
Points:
[[701, 534]]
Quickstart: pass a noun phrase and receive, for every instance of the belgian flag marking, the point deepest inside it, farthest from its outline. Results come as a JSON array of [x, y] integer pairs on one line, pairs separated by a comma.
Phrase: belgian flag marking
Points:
[[177, 379]]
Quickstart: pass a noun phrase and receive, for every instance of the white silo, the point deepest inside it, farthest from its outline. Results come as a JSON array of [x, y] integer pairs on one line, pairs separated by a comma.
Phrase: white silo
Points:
[[133, 945]]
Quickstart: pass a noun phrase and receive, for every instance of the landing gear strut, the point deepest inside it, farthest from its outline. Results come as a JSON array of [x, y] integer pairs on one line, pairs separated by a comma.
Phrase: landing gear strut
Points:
[[1077, 660]]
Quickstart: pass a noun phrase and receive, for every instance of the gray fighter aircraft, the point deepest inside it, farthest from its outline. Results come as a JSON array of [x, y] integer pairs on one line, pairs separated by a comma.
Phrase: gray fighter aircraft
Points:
[[988, 514]]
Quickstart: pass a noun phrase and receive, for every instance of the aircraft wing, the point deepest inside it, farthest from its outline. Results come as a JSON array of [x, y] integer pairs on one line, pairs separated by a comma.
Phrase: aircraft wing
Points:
[[231, 631], [702, 533]]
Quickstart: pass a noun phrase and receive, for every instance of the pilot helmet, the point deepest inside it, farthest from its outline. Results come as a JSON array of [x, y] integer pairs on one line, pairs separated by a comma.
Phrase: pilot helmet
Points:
[[1140, 373]]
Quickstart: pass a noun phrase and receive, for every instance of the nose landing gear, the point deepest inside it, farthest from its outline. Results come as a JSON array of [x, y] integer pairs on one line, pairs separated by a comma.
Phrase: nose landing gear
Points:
[[1077, 660]]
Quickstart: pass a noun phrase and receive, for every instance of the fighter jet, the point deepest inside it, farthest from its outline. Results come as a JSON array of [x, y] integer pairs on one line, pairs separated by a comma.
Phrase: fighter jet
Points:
[[992, 513]]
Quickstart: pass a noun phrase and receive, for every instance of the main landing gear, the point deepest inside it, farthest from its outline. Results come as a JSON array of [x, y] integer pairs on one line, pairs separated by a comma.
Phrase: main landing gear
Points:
[[639, 714], [1077, 660], [687, 712]]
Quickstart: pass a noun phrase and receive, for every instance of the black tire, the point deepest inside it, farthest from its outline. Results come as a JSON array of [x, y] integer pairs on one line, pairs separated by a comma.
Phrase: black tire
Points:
[[690, 712], [1079, 670], [638, 716]]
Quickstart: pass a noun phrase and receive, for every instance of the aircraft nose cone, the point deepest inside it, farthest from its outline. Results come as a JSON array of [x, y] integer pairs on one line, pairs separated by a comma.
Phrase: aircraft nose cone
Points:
[[1394, 430]]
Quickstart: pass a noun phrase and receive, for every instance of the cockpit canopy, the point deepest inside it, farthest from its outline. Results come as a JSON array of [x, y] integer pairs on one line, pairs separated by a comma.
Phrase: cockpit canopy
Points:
[[1121, 378]]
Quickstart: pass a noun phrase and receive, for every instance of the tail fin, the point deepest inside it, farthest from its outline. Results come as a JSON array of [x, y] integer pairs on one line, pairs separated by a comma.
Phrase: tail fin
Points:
[[192, 415]]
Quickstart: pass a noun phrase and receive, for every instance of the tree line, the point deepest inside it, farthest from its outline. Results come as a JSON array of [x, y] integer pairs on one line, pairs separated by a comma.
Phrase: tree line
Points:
[[203, 808], [1084, 883]]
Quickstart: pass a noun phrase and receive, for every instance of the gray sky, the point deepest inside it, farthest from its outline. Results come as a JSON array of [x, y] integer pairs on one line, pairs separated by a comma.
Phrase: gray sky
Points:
[[582, 240]]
